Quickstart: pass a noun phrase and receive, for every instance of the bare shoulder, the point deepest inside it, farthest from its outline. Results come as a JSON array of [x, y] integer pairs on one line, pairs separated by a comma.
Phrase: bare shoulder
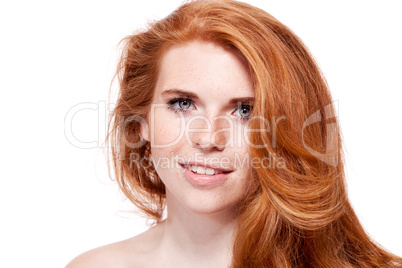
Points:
[[133, 252], [105, 256]]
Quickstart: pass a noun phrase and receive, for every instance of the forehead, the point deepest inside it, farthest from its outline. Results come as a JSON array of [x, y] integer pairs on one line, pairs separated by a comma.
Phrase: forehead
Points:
[[204, 67]]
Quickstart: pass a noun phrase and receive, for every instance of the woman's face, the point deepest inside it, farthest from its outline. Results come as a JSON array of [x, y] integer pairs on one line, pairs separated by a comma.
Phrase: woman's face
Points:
[[197, 127]]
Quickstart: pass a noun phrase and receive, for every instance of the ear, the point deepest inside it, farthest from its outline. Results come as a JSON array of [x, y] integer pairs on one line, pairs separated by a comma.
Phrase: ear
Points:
[[144, 130]]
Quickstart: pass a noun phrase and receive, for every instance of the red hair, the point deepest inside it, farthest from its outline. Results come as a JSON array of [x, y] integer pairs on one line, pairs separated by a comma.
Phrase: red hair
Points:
[[298, 215]]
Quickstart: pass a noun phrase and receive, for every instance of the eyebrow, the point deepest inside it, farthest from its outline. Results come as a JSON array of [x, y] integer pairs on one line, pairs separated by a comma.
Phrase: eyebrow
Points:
[[191, 95]]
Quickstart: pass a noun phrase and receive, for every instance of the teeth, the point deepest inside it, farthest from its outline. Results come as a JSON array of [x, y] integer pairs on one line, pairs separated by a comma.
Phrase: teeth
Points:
[[209, 171], [200, 170], [203, 170], [193, 168], [217, 172]]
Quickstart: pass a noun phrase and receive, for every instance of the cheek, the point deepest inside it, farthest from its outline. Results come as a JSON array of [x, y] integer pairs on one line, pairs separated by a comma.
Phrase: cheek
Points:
[[166, 130], [166, 141], [244, 138]]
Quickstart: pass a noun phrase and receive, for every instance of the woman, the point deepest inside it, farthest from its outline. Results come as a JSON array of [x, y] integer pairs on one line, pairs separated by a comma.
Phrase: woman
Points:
[[225, 120]]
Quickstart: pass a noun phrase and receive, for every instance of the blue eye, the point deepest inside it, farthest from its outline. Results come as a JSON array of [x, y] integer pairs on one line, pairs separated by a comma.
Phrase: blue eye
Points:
[[184, 104], [180, 104], [244, 111]]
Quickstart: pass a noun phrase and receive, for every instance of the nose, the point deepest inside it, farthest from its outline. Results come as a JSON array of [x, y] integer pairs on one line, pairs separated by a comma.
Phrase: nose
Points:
[[209, 132]]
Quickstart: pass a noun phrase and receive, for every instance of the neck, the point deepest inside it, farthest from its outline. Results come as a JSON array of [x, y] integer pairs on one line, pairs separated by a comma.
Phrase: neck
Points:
[[202, 237]]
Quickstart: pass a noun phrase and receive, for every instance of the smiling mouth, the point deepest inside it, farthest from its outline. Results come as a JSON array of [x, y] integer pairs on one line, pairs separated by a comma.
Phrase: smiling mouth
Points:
[[203, 170]]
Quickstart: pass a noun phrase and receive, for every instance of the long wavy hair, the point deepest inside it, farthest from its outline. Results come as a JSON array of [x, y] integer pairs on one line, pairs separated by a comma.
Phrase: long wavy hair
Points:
[[294, 216]]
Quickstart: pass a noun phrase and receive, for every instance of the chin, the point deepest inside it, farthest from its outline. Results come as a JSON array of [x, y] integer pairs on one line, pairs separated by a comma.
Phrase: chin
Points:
[[207, 205]]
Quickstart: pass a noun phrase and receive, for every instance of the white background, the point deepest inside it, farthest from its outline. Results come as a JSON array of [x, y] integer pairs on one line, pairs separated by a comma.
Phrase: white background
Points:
[[57, 200]]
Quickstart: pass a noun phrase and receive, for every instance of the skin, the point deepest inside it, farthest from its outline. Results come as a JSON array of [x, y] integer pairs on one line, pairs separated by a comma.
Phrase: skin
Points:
[[200, 225]]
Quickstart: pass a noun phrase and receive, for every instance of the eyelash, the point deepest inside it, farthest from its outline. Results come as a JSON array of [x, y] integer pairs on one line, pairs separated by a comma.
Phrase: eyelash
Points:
[[176, 109], [172, 102]]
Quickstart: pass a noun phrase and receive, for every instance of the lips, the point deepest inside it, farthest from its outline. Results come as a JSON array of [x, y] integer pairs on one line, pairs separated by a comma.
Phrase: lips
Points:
[[203, 175]]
